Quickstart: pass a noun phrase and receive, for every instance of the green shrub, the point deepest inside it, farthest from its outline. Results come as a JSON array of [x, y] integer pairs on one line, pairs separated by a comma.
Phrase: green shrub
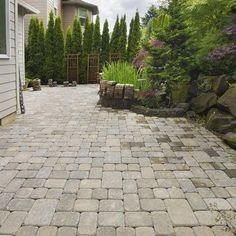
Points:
[[124, 73]]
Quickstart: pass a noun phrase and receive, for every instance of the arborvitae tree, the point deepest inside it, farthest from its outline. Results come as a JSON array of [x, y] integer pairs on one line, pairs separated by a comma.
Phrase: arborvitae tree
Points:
[[59, 52], [115, 38], [35, 50], [123, 37], [31, 64], [87, 48], [134, 38], [97, 37], [105, 47], [68, 44], [130, 41], [49, 49], [41, 52], [76, 37], [91, 33]]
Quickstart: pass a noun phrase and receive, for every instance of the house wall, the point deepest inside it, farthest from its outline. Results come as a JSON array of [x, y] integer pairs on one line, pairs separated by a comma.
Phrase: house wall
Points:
[[68, 16], [8, 69], [20, 43], [69, 12], [40, 5]]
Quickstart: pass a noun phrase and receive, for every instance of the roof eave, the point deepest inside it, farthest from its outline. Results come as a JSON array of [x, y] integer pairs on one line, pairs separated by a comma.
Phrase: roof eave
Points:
[[92, 7], [28, 9]]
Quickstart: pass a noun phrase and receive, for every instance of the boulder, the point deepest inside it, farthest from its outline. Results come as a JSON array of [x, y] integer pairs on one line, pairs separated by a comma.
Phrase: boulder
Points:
[[219, 121], [230, 138], [220, 85], [228, 101], [203, 102]]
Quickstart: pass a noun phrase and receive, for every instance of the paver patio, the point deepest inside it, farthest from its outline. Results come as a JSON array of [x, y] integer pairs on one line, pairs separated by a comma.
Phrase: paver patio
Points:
[[69, 167]]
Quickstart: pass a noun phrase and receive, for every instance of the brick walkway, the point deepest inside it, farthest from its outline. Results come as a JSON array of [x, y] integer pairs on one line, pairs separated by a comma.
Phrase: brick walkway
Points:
[[69, 167]]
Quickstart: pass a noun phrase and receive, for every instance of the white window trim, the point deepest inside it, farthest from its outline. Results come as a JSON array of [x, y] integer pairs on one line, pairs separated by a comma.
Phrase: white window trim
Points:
[[7, 9]]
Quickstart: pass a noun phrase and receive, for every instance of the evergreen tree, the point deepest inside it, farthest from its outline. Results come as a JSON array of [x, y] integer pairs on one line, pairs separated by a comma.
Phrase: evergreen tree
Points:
[[35, 50], [76, 37], [31, 66], [172, 63], [115, 38], [151, 13], [134, 38], [123, 37], [87, 48], [49, 49], [41, 52], [130, 41], [59, 52], [68, 44], [105, 47], [97, 37]]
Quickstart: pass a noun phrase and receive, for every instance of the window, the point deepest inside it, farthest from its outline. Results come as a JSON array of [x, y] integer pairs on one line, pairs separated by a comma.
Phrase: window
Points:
[[82, 15], [4, 29]]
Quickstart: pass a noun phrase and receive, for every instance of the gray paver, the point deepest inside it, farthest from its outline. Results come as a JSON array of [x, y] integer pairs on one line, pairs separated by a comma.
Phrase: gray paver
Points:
[[138, 219], [96, 171], [13, 223], [47, 231], [65, 219], [42, 212], [112, 180], [88, 223], [114, 219], [27, 231], [180, 212], [162, 223]]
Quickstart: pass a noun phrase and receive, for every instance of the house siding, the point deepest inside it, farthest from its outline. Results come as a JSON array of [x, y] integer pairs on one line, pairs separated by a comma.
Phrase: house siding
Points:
[[40, 5], [69, 12], [8, 75]]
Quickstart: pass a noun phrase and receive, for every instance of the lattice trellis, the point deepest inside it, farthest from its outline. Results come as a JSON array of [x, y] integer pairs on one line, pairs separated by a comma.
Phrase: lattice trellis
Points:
[[72, 61], [93, 68], [114, 57]]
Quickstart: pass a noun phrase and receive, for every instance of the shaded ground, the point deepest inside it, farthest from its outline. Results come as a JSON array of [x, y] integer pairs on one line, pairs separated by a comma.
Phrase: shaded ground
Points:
[[69, 167]]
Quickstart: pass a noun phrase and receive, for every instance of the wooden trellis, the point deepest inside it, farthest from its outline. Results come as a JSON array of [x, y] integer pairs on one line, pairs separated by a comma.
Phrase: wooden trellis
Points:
[[93, 68], [72, 67], [114, 57]]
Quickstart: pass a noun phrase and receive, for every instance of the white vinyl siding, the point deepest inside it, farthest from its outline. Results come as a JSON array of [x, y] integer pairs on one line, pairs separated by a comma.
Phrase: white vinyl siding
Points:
[[8, 76]]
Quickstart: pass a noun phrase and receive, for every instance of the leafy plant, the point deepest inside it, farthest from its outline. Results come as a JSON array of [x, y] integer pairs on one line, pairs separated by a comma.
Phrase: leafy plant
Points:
[[124, 73]]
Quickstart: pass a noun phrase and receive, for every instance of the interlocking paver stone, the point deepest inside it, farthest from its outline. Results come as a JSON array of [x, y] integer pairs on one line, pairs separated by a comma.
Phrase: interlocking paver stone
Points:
[[13, 223], [82, 169], [27, 231], [111, 205], [112, 180], [180, 212], [124, 231], [86, 205], [162, 223], [113, 219], [138, 219], [42, 212], [20, 204], [65, 219], [47, 231]]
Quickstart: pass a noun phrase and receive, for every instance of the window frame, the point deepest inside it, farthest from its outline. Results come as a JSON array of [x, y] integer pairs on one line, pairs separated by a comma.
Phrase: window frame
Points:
[[82, 16], [7, 16]]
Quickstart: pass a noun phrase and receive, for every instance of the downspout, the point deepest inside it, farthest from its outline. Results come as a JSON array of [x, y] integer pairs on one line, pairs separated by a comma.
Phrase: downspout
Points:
[[17, 60]]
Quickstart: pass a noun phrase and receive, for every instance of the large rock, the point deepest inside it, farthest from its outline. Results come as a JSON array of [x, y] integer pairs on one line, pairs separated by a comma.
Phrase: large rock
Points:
[[228, 101], [203, 102], [219, 121], [220, 84], [230, 138]]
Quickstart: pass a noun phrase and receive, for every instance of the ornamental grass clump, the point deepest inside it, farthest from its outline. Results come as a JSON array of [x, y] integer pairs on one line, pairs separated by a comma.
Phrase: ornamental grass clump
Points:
[[124, 73]]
